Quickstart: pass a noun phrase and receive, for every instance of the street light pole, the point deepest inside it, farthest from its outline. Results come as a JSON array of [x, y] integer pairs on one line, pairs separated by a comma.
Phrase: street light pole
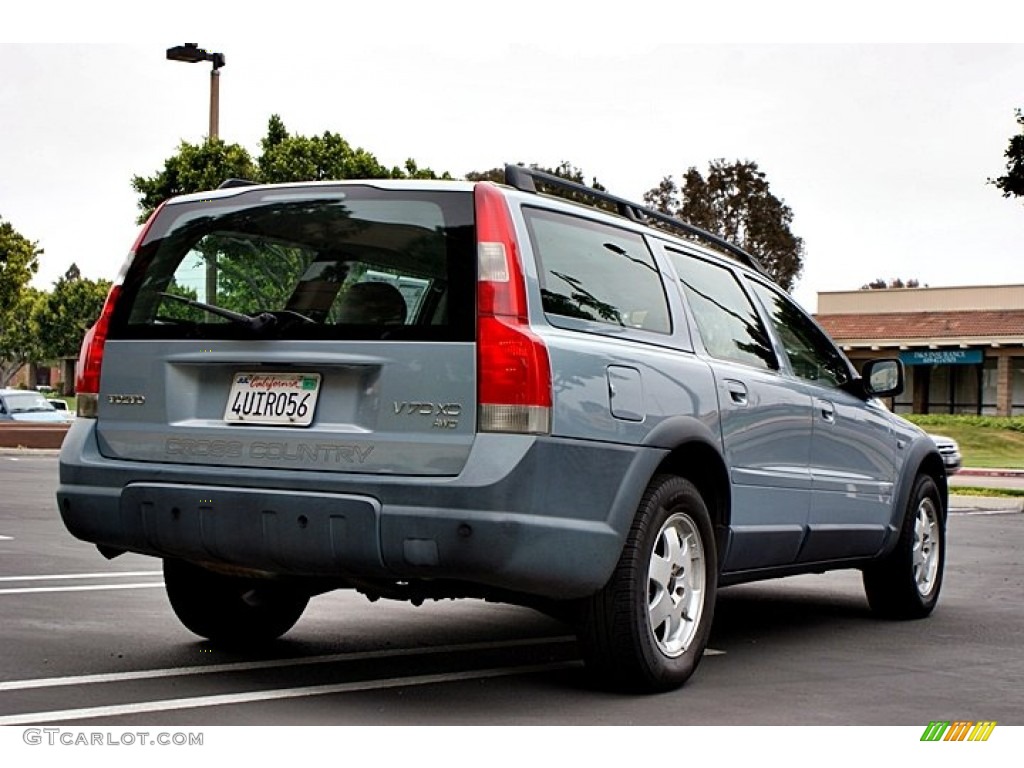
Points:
[[193, 54], [214, 104]]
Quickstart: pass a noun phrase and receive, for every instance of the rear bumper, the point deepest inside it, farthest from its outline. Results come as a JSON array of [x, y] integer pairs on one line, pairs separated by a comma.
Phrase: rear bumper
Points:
[[539, 516]]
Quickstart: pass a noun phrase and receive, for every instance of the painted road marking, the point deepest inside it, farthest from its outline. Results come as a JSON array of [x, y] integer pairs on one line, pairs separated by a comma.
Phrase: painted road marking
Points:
[[220, 700], [88, 588], [246, 666], [986, 512], [6, 538], [216, 700], [79, 588], [54, 577]]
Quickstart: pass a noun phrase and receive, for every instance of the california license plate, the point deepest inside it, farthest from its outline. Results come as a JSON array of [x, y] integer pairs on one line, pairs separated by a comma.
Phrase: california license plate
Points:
[[280, 399]]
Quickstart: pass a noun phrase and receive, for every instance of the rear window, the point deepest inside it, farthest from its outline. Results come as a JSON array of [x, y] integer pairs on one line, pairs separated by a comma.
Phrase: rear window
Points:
[[352, 262]]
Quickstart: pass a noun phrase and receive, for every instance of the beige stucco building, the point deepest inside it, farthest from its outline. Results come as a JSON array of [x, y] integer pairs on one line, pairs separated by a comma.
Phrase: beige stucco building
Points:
[[963, 347]]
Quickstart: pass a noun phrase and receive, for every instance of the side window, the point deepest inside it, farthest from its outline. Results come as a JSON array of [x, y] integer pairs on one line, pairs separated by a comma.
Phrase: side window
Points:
[[728, 323], [811, 355], [596, 272]]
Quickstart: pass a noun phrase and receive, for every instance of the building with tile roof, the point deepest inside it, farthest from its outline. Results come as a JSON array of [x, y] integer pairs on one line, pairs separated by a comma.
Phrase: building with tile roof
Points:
[[963, 347]]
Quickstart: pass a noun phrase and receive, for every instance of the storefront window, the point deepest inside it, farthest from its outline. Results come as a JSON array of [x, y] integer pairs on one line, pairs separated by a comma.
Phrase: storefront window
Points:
[[1017, 373], [989, 387], [938, 388], [966, 382]]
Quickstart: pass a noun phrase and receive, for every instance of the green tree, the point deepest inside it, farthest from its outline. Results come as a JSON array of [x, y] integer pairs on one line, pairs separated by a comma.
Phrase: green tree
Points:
[[314, 158], [195, 168], [20, 339], [896, 282], [247, 280], [284, 157], [1012, 183], [734, 201], [19, 260], [65, 314], [293, 157]]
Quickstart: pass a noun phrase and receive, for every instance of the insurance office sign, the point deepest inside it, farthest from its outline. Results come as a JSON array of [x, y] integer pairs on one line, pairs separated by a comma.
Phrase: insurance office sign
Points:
[[942, 357]]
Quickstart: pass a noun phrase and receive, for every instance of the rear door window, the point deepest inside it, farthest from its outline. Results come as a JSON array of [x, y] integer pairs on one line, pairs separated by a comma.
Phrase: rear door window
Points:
[[597, 273], [727, 321], [332, 262]]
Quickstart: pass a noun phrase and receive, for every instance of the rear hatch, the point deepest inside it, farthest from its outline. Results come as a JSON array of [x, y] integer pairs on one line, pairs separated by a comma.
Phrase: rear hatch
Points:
[[312, 327]]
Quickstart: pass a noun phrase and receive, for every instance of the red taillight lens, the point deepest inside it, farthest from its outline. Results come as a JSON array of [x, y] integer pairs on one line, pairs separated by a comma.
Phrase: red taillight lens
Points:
[[513, 370], [90, 358]]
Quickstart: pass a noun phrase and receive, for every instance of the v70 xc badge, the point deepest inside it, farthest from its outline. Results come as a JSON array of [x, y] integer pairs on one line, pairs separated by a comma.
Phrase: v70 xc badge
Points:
[[428, 409], [446, 415]]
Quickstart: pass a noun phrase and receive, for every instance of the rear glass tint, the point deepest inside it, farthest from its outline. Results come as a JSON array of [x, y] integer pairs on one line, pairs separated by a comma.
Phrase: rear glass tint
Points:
[[331, 262], [598, 273]]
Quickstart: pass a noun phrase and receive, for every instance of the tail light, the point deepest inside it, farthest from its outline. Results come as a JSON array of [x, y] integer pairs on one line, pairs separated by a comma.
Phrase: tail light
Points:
[[513, 370], [90, 358]]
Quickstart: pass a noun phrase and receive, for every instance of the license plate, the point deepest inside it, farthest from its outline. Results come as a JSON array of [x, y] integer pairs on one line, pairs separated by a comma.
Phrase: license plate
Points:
[[281, 399]]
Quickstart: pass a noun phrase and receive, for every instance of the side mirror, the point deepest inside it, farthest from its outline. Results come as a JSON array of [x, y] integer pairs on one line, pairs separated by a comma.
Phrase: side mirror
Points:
[[882, 378]]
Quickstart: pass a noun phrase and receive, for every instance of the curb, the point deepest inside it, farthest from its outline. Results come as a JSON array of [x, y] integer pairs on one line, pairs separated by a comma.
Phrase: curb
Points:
[[27, 435], [975, 472], [29, 451], [985, 503]]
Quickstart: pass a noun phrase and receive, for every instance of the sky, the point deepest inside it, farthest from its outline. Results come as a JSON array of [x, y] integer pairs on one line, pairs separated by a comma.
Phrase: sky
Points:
[[879, 130]]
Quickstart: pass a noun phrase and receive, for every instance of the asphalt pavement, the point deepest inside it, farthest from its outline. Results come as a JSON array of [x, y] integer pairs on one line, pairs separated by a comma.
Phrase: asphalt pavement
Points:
[[93, 642]]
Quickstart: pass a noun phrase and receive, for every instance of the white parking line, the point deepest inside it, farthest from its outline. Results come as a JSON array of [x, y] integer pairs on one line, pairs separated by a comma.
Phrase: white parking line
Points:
[[80, 588], [61, 577], [247, 666], [220, 700], [6, 538], [986, 512]]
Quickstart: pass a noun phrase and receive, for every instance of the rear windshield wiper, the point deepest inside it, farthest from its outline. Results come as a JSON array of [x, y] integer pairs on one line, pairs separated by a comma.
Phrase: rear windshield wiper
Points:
[[255, 322]]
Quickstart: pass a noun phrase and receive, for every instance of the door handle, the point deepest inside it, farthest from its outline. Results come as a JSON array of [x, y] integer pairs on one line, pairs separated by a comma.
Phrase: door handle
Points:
[[827, 411], [737, 391]]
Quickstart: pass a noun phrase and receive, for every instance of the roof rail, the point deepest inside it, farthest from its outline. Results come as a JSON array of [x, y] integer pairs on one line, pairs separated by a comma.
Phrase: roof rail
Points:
[[524, 179], [229, 183]]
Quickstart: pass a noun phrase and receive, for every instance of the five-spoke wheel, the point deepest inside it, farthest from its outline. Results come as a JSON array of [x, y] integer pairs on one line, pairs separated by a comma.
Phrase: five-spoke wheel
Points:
[[647, 628]]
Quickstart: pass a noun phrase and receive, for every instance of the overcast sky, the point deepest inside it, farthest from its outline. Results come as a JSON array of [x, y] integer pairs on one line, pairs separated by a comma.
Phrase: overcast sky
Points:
[[881, 150]]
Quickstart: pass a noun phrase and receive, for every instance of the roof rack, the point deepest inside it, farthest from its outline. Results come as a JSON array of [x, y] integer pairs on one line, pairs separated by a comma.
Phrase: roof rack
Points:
[[229, 183], [524, 179]]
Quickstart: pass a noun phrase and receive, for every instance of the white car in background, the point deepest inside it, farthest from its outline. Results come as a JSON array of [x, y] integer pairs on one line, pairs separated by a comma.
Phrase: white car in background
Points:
[[62, 407], [950, 452], [26, 405]]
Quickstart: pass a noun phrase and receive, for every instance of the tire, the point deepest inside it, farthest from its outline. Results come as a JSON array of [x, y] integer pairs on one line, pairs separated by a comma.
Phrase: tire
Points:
[[646, 630], [229, 610], [905, 584]]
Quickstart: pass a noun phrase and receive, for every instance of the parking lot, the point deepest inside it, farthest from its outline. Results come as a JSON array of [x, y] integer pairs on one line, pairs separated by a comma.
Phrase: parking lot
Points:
[[91, 641]]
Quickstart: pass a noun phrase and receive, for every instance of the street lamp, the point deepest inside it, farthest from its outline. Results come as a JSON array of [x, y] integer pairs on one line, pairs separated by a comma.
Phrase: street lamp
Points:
[[193, 54]]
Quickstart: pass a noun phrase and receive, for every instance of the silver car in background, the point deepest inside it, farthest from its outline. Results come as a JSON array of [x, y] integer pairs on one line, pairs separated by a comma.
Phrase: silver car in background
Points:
[[950, 452]]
